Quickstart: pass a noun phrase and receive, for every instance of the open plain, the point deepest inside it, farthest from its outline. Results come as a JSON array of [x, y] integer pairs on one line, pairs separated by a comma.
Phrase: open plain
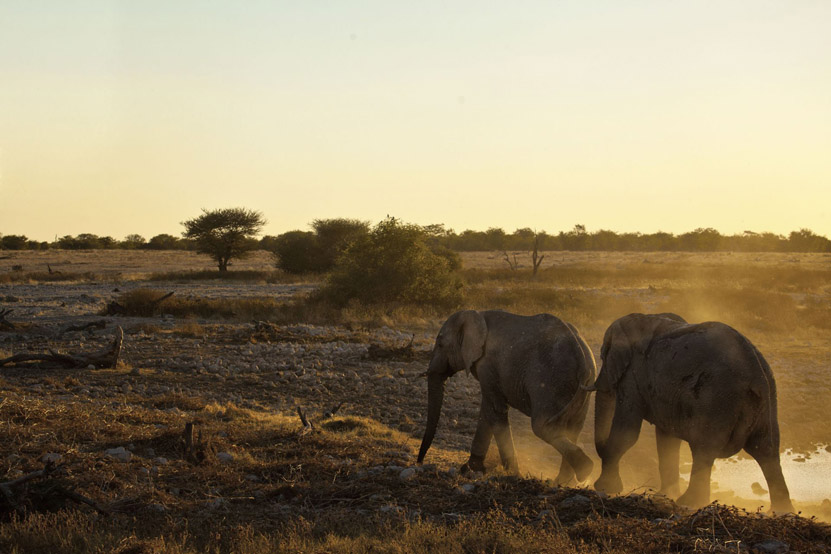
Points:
[[254, 479]]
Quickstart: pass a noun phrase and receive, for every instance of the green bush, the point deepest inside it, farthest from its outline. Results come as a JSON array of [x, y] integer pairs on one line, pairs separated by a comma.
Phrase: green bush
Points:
[[298, 252], [394, 263]]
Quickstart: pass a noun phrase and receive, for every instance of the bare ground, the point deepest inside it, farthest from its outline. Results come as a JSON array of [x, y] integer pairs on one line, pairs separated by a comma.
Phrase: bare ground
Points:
[[173, 371]]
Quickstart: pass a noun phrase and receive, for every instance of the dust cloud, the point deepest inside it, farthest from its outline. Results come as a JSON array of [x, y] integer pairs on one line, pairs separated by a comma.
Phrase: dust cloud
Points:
[[736, 481]]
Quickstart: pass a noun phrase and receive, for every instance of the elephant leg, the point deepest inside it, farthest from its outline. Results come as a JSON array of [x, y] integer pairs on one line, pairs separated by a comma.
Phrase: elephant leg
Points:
[[479, 448], [566, 474], [698, 492], [768, 459], [626, 427], [505, 443], [669, 448], [580, 464], [494, 414]]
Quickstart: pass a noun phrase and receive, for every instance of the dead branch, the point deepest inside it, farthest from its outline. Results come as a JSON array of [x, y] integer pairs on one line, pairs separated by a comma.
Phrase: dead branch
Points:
[[158, 301], [4, 323], [406, 352], [193, 449], [114, 308], [14, 496], [100, 360], [307, 425], [332, 412], [100, 324], [536, 259], [512, 264], [81, 499], [187, 436]]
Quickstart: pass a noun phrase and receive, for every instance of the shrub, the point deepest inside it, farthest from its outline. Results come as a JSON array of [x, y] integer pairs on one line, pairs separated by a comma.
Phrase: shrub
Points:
[[315, 252], [393, 263], [298, 252], [335, 235]]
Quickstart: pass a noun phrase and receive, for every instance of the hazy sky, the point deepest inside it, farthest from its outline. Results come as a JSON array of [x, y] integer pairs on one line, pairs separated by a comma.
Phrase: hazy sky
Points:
[[130, 117]]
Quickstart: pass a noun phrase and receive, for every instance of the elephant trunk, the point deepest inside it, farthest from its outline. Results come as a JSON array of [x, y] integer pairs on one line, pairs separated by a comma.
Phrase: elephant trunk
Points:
[[435, 397], [604, 411]]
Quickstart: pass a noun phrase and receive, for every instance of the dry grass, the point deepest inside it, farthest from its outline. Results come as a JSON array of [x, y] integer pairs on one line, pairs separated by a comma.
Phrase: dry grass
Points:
[[322, 492], [32, 277], [147, 302], [325, 491], [764, 298], [249, 276]]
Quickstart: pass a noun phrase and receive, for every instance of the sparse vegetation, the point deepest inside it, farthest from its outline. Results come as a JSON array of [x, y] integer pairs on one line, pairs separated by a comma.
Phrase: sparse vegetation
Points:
[[339, 488], [251, 276], [146, 302]]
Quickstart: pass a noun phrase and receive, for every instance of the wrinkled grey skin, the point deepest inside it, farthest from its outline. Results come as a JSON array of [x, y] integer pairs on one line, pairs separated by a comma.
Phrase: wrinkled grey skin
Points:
[[538, 365], [702, 383]]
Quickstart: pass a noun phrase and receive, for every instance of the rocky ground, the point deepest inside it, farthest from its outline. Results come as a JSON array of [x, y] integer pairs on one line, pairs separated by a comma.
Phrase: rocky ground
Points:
[[174, 371]]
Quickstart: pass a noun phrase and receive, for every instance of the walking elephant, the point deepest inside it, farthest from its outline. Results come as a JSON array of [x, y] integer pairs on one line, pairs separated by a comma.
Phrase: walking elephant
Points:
[[538, 365], [702, 383]]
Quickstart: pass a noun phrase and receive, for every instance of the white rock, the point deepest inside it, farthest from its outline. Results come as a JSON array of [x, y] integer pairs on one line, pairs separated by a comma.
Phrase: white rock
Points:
[[407, 474], [575, 502], [52, 457], [121, 454]]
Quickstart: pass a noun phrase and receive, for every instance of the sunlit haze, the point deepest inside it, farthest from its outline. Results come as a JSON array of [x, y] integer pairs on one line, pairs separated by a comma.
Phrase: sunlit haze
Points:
[[130, 117]]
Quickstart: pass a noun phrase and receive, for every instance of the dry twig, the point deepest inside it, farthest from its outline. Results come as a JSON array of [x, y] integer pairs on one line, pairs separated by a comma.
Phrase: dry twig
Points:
[[100, 360]]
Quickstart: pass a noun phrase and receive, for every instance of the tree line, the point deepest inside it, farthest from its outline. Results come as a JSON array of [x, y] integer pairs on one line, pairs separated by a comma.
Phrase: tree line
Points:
[[326, 233], [89, 241]]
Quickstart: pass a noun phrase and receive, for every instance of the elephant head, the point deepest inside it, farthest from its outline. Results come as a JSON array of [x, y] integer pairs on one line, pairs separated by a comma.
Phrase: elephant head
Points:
[[627, 337], [459, 344]]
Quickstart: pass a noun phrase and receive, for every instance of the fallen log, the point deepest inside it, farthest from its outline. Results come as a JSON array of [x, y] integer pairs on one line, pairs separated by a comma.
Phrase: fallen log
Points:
[[145, 310], [104, 359], [18, 497], [100, 324], [4, 323]]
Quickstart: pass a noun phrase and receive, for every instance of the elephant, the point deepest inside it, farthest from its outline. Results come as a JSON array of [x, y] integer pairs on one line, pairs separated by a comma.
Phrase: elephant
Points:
[[537, 364], [703, 383]]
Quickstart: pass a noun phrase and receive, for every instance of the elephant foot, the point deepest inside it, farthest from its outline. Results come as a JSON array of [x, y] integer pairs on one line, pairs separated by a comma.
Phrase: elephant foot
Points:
[[671, 491], [475, 463], [782, 507], [564, 478], [609, 484], [693, 500], [582, 465], [511, 467]]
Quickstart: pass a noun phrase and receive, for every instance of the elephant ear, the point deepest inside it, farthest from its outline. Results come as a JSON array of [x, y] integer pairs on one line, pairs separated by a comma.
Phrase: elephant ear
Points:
[[616, 354], [472, 334]]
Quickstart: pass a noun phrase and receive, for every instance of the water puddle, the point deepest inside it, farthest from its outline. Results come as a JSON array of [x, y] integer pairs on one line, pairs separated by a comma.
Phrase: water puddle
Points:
[[808, 476]]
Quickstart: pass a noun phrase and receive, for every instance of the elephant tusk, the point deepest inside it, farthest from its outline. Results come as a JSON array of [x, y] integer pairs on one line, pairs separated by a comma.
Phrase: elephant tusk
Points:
[[589, 388]]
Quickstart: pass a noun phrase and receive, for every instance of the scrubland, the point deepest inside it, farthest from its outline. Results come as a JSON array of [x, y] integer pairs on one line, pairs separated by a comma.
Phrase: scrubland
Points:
[[237, 356]]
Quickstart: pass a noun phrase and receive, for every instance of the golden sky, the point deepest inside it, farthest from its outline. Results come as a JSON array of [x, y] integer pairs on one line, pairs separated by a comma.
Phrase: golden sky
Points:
[[130, 117]]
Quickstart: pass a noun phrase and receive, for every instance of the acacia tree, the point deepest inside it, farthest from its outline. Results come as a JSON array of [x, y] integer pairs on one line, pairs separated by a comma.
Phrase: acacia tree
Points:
[[225, 234]]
